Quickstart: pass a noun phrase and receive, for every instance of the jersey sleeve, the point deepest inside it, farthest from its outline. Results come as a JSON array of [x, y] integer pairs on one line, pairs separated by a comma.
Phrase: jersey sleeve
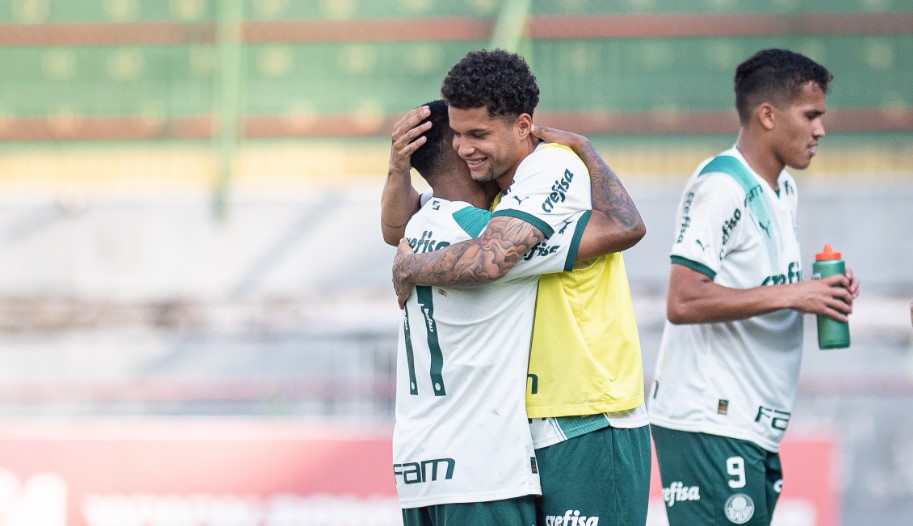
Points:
[[558, 253], [707, 223], [551, 186]]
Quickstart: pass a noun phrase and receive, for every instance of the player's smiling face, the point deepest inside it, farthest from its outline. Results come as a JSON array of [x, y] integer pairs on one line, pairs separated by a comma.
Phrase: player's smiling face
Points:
[[799, 127], [490, 146]]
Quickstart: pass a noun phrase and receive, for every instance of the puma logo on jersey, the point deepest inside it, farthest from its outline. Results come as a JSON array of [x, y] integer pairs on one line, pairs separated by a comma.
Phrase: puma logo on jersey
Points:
[[765, 228], [678, 492], [520, 201], [566, 224], [700, 244]]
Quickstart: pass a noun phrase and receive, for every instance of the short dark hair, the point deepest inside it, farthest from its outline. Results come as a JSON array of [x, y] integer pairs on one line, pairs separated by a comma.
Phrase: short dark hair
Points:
[[430, 155], [496, 79], [777, 76]]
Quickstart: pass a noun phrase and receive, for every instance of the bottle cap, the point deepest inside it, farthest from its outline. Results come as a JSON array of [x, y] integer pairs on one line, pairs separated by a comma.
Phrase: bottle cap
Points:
[[827, 254]]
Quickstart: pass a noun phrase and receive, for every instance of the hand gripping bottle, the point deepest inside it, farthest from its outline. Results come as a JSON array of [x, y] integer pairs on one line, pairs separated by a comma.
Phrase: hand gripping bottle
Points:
[[832, 334]]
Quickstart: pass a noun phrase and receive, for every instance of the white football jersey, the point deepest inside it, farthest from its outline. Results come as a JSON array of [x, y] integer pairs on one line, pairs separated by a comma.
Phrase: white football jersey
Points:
[[738, 378], [550, 186], [461, 432]]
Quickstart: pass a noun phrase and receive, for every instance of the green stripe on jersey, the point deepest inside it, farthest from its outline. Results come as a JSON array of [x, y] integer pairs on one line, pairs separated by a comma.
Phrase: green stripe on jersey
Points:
[[575, 241], [529, 218], [694, 265], [755, 198], [472, 220]]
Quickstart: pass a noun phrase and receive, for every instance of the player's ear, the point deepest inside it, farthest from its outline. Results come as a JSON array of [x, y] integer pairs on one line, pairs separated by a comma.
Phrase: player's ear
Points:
[[523, 125], [766, 115]]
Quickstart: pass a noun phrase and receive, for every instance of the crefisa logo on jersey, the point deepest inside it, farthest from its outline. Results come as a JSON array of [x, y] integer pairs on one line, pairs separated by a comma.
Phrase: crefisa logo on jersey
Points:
[[559, 191], [793, 275], [426, 243], [739, 508], [542, 249], [571, 518], [679, 492], [686, 217]]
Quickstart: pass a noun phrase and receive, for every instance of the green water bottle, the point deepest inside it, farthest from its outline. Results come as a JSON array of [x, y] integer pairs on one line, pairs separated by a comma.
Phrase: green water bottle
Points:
[[832, 334]]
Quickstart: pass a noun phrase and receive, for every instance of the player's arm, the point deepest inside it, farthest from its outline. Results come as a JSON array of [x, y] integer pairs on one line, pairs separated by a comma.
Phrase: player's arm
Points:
[[468, 263], [693, 297], [399, 200], [615, 224]]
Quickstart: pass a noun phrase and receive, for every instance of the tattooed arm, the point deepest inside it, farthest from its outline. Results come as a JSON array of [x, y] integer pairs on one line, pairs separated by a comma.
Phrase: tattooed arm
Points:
[[474, 262], [615, 224]]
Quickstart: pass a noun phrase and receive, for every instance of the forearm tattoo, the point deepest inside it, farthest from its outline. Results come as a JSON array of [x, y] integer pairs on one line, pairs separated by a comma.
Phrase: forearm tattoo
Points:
[[609, 195], [477, 261]]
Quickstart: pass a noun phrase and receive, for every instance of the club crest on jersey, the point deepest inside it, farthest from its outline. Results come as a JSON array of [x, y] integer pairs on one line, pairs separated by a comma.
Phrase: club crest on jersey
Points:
[[722, 407], [571, 518], [739, 508], [679, 492]]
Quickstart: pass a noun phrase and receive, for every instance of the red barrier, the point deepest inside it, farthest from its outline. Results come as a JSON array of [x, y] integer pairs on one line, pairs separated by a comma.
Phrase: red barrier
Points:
[[261, 473]]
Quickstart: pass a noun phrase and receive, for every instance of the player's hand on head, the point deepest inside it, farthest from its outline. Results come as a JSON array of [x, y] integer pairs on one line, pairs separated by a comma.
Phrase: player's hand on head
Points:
[[401, 285], [407, 137]]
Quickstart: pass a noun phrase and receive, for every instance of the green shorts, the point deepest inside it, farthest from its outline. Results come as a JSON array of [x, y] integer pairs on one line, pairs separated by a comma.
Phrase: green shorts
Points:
[[520, 511], [714, 480], [601, 477]]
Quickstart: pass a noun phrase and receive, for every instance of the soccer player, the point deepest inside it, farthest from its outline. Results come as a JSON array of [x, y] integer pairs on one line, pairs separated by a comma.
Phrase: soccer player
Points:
[[729, 360], [462, 447], [585, 388]]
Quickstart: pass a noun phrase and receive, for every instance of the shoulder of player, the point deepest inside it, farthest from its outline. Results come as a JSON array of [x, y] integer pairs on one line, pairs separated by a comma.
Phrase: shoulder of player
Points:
[[550, 157], [438, 206], [715, 183], [554, 151]]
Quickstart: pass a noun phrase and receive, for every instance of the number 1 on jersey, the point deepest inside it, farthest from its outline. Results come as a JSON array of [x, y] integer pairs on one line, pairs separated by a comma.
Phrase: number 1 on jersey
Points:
[[424, 296]]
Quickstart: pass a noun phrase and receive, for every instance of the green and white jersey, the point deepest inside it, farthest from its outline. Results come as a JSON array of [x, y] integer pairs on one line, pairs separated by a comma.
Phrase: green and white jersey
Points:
[[550, 186], [738, 378], [461, 432]]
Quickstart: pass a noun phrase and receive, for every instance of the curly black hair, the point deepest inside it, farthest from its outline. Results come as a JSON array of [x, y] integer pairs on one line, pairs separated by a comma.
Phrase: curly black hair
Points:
[[431, 154], [496, 79], [775, 75]]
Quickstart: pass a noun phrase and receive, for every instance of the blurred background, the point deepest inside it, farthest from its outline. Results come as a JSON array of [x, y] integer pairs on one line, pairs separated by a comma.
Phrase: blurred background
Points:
[[197, 324]]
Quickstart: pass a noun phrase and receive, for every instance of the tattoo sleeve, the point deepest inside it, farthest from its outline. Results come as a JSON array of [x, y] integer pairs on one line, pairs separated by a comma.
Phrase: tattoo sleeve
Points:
[[477, 261], [609, 195]]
